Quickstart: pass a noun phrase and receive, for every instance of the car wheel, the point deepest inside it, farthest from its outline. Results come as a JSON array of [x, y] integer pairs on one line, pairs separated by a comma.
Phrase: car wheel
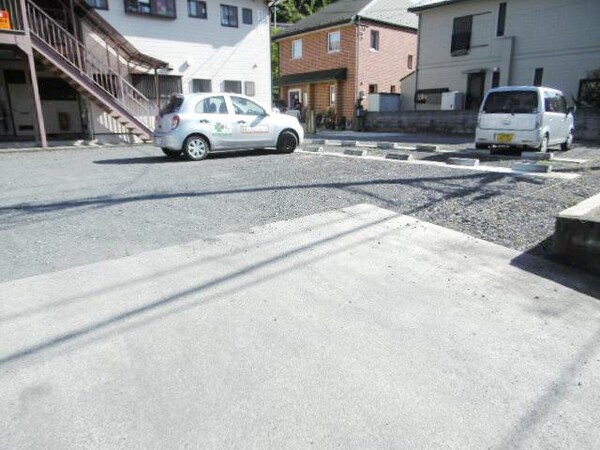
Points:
[[171, 153], [287, 142], [543, 148], [567, 144], [196, 148]]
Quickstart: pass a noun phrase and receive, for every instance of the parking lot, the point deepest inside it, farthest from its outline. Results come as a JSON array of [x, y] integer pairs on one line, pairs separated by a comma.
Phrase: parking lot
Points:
[[260, 300], [64, 208]]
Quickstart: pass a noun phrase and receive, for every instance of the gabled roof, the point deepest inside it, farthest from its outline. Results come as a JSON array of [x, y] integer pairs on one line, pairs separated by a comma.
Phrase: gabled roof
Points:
[[391, 12], [427, 4]]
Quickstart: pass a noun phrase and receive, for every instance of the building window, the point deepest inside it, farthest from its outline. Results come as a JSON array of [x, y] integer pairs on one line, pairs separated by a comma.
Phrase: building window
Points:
[[393, 89], [461, 35], [334, 42], [409, 62], [495, 79], [197, 9], [229, 16], [249, 88], [374, 40], [501, 19], [247, 16], [98, 4], [538, 76], [297, 49], [159, 8], [372, 89], [167, 84], [232, 86], [332, 94], [200, 85]]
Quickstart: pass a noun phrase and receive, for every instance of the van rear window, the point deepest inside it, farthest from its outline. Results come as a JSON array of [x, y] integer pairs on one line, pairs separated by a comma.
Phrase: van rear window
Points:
[[172, 106], [512, 102]]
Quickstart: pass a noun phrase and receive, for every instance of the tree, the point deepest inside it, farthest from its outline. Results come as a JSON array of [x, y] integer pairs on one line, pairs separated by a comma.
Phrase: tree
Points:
[[291, 11], [589, 94]]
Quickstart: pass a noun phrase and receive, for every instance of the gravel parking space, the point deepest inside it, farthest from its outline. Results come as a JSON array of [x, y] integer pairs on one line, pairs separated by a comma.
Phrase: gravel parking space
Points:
[[65, 208], [575, 160]]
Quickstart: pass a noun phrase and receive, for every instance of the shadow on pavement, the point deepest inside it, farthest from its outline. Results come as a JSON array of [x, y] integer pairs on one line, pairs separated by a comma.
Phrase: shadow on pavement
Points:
[[165, 159], [554, 269]]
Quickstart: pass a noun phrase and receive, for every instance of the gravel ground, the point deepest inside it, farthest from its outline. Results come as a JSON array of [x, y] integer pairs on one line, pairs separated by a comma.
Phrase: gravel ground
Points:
[[65, 208]]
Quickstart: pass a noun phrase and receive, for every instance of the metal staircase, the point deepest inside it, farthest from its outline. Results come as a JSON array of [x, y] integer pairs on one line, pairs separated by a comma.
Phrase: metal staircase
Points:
[[66, 56]]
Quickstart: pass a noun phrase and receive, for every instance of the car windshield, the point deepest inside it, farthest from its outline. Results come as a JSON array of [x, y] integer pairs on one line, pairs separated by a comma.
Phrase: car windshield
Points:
[[512, 102], [172, 106]]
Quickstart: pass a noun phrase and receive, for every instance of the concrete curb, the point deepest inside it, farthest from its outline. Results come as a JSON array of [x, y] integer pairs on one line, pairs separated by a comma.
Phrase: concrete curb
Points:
[[471, 162], [577, 234], [399, 156], [426, 148], [532, 168], [353, 152], [404, 147], [348, 143], [385, 145], [537, 156]]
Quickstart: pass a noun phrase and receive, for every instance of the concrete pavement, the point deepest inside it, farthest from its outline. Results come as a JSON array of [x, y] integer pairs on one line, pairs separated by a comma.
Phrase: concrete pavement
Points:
[[356, 328]]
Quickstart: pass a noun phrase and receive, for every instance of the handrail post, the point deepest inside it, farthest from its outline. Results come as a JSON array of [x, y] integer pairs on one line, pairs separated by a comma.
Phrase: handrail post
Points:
[[33, 76]]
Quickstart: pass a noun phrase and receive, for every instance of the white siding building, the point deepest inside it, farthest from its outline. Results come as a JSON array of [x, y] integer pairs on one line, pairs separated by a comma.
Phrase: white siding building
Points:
[[101, 68], [470, 46]]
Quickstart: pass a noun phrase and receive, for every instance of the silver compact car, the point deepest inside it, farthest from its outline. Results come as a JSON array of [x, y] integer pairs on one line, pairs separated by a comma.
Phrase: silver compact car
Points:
[[198, 124]]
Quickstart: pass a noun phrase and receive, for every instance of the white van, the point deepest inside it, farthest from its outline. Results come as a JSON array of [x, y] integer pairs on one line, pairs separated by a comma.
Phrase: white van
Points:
[[524, 116]]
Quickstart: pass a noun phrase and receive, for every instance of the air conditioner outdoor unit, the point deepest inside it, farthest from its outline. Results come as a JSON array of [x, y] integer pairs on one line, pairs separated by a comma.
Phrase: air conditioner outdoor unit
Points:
[[453, 101]]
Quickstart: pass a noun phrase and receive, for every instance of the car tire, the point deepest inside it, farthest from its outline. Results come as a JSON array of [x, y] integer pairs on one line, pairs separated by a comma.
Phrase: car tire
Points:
[[543, 148], [287, 142], [567, 144], [171, 153], [196, 148]]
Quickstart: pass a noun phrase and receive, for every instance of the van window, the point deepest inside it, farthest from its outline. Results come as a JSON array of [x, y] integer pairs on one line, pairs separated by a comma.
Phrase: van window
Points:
[[512, 102], [172, 106]]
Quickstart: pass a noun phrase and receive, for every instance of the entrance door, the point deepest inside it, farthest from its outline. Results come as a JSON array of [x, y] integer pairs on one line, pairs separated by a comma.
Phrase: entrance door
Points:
[[294, 97], [22, 109], [475, 90]]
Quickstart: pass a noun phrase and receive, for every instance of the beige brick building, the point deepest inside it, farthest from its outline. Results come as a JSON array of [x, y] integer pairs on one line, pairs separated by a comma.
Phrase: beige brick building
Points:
[[349, 49]]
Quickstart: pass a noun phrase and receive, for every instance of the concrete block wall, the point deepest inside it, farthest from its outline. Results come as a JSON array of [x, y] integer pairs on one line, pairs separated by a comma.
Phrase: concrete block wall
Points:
[[587, 122], [450, 122], [587, 125]]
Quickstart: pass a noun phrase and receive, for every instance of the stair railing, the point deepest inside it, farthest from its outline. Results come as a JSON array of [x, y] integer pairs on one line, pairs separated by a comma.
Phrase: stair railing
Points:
[[95, 70]]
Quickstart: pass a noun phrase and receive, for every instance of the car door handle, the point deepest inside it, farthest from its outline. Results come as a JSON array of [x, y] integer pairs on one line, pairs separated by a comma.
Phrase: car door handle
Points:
[[241, 122], [203, 121]]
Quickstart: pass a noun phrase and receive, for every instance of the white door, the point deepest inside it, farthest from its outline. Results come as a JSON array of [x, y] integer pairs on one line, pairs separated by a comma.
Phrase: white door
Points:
[[252, 126], [22, 109]]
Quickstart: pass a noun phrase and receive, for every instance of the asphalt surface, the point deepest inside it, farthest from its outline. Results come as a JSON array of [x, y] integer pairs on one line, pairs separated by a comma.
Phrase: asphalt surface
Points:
[[65, 208]]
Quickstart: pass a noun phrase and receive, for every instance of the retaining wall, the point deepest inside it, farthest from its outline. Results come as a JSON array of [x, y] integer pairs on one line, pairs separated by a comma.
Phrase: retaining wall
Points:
[[587, 122]]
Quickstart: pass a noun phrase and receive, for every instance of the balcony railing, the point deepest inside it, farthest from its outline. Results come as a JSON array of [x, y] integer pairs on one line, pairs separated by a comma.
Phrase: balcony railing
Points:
[[11, 18]]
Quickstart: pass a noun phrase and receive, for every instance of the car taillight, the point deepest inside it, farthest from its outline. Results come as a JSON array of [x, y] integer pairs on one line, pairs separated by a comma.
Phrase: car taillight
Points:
[[157, 122], [174, 122], [479, 120], [538, 121]]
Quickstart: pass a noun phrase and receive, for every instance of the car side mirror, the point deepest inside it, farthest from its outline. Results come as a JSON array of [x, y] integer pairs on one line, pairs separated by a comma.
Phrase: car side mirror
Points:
[[571, 109]]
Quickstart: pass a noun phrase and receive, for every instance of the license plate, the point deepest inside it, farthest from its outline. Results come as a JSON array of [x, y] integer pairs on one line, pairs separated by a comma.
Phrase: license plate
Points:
[[504, 138]]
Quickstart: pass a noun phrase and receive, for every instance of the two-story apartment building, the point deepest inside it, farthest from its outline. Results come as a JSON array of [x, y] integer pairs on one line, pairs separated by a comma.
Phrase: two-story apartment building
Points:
[[103, 67], [348, 49], [470, 46]]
